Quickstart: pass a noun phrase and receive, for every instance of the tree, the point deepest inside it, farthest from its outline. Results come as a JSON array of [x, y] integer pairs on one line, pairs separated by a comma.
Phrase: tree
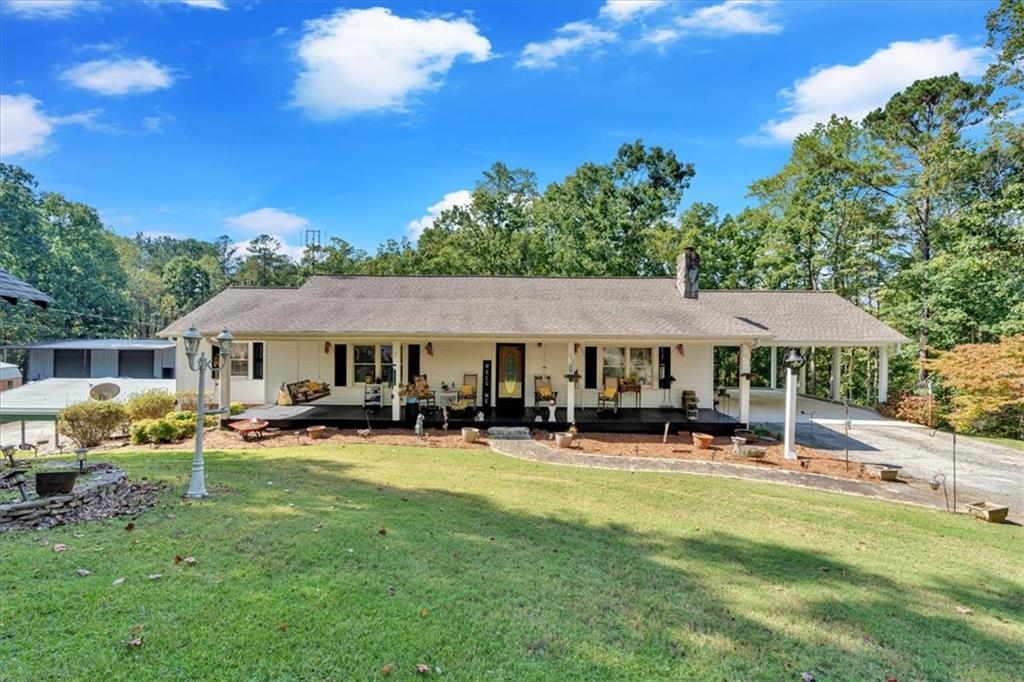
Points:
[[187, 284], [1005, 26], [264, 265], [926, 163]]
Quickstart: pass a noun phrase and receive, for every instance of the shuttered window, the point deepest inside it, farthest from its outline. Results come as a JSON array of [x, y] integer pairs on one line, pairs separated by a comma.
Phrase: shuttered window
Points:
[[257, 359], [341, 364], [590, 367]]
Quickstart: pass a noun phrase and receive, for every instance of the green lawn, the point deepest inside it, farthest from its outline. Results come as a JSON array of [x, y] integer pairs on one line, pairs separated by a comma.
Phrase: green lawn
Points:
[[492, 568]]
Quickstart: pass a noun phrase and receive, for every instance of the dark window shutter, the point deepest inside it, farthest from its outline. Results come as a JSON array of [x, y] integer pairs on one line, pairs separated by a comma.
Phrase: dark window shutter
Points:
[[590, 367], [341, 364], [215, 362], [257, 359], [414, 362], [664, 366]]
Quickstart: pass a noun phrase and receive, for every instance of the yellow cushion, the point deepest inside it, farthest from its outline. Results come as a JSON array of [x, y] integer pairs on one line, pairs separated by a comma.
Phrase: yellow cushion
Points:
[[544, 391], [313, 386], [609, 392], [468, 389]]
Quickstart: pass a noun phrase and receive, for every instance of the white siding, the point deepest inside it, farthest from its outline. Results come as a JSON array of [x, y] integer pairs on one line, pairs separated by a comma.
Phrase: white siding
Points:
[[287, 361], [244, 390], [103, 363], [162, 358], [40, 364]]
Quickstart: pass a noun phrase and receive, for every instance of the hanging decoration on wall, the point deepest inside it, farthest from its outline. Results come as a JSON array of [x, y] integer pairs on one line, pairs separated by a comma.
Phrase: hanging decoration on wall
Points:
[[576, 347], [429, 348], [327, 347], [680, 349]]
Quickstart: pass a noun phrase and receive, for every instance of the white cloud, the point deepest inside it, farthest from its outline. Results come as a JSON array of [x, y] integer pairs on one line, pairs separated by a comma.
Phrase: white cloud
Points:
[[363, 60], [625, 10], [25, 128], [119, 76], [283, 248], [460, 197], [854, 91], [206, 4], [48, 9], [573, 37], [157, 120], [267, 221], [732, 17], [661, 36]]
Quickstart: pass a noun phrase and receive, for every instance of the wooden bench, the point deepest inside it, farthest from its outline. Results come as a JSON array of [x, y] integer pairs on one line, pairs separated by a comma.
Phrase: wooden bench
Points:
[[299, 392]]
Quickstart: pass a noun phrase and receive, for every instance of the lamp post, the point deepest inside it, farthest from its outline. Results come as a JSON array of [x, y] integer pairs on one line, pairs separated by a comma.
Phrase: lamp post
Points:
[[197, 484], [793, 361]]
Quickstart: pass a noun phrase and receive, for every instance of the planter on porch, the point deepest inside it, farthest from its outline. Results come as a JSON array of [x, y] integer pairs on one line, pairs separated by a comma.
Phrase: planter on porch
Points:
[[702, 440], [470, 434]]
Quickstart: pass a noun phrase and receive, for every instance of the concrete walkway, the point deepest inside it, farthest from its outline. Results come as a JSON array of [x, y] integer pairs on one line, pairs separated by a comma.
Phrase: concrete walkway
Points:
[[893, 492]]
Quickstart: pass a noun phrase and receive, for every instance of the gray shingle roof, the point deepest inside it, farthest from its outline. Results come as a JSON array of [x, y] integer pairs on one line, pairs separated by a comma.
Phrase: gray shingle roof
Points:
[[530, 307], [13, 289], [97, 344]]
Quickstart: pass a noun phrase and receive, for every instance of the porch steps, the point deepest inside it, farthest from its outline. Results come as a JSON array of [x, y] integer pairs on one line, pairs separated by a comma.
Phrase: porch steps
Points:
[[508, 433]]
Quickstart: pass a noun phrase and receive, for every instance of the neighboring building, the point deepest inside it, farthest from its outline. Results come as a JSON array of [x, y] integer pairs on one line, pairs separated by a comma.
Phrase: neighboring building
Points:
[[97, 358], [10, 376], [508, 330]]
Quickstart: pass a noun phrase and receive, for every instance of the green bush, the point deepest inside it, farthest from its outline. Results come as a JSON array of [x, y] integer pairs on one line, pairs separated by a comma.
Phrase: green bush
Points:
[[138, 431], [90, 423], [162, 431], [236, 408], [151, 404], [189, 400]]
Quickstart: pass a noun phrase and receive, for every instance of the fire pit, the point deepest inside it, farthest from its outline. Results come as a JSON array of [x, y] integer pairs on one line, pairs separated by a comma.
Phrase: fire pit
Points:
[[55, 482]]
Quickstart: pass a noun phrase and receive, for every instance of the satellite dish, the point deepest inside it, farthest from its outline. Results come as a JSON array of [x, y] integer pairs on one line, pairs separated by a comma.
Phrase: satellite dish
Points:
[[104, 391]]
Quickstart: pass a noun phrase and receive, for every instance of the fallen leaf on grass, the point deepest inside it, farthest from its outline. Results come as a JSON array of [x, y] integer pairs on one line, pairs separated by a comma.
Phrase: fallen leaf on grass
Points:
[[118, 582], [83, 572], [423, 613], [136, 629], [190, 560], [171, 517], [59, 547], [382, 531], [134, 643], [130, 527], [964, 610], [282, 626], [891, 678], [422, 669], [178, 558], [807, 677], [155, 576], [387, 670]]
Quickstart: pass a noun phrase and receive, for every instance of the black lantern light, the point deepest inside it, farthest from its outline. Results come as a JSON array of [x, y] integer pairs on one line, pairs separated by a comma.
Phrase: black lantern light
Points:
[[794, 360]]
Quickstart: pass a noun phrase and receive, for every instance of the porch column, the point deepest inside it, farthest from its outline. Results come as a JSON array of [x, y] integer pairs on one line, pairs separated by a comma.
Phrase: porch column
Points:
[[883, 374], [837, 366], [745, 383], [773, 382], [570, 388], [396, 391], [802, 383], [225, 387]]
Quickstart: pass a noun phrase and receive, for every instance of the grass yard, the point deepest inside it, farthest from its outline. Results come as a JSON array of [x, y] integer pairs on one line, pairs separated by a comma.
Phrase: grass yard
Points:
[[360, 562]]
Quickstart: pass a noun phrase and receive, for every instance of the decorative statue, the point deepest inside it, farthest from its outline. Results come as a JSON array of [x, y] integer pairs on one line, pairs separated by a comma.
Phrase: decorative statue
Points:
[[691, 262], [419, 426], [551, 411]]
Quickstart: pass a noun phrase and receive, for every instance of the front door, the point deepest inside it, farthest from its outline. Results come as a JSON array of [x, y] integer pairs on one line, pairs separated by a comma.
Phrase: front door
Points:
[[510, 373]]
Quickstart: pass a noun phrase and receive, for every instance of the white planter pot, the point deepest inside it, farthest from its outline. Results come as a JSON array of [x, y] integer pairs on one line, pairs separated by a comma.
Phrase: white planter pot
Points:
[[469, 434], [563, 440]]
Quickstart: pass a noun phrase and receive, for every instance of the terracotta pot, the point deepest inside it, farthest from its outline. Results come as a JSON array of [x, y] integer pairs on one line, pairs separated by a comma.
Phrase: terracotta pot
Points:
[[55, 482], [563, 440], [702, 440], [316, 432], [470, 434]]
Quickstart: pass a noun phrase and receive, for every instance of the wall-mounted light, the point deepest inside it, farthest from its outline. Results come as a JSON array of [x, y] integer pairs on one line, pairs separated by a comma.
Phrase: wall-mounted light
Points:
[[429, 348], [576, 347], [327, 347], [681, 349]]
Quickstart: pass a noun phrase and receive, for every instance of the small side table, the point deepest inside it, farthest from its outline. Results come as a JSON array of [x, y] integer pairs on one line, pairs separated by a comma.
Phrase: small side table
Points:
[[635, 389]]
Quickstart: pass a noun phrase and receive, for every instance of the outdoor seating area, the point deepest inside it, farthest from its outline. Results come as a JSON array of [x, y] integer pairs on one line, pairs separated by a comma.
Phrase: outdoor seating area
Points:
[[303, 392]]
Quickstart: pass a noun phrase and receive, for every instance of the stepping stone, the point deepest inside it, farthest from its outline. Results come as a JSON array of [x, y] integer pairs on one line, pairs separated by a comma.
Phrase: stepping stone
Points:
[[508, 433]]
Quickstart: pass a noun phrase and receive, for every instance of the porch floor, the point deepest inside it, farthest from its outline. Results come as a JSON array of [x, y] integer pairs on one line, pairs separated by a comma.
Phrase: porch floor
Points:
[[626, 420]]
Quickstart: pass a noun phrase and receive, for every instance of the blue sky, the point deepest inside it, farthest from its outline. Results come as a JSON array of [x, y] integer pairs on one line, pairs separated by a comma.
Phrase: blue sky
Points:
[[208, 117]]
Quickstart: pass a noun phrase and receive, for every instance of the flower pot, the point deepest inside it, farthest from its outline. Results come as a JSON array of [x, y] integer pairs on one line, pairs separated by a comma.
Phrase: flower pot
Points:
[[753, 451], [988, 511], [737, 443], [885, 473], [563, 440], [702, 440], [316, 432], [55, 482], [470, 434]]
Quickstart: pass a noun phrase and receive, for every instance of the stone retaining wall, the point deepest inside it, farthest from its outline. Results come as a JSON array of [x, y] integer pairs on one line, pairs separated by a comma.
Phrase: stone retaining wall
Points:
[[105, 483]]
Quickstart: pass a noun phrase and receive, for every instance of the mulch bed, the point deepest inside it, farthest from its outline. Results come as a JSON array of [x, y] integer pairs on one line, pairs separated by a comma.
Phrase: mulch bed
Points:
[[216, 439], [681, 447]]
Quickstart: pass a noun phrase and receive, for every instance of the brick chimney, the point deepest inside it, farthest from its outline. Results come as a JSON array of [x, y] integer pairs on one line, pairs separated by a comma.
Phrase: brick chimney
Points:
[[688, 272]]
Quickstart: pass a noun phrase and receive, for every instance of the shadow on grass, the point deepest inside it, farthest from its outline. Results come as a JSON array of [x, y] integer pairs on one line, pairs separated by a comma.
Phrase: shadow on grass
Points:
[[491, 592]]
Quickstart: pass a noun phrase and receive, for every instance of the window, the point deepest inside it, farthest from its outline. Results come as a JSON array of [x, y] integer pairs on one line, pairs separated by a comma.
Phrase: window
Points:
[[614, 363], [240, 360], [640, 366], [387, 365], [364, 364]]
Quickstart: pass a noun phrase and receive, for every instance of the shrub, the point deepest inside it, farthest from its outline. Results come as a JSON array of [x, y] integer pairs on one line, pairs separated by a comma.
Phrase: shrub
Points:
[[236, 408], [90, 423], [189, 400], [161, 431], [138, 431], [151, 404], [910, 407]]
